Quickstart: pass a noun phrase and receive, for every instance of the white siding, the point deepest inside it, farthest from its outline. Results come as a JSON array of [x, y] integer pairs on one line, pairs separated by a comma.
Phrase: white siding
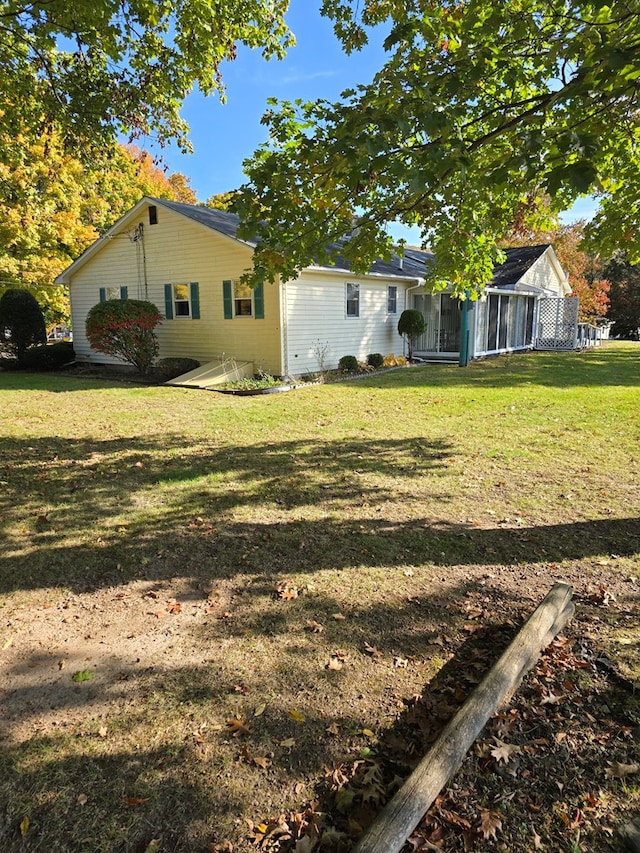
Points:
[[543, 274], [315, 310], [178, 250]]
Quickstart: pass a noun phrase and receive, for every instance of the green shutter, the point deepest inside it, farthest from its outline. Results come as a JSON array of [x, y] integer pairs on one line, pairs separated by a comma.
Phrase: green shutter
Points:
[[258, 301], [103, 294], [227, 299], [168, 302], [194, 288], [124, 293]]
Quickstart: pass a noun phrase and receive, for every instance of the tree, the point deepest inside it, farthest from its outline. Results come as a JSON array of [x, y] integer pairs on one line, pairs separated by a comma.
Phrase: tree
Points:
[[125, 328], [52, 207], [479, 107], [411, 326], [221, 201], [122, 66], [21, 322], [624, 295]]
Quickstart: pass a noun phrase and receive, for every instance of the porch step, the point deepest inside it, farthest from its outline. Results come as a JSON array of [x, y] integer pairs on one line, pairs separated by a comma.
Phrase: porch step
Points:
[[214, 373]]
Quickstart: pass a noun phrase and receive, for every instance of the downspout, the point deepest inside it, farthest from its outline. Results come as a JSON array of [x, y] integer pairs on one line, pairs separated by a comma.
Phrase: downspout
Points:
[[465, 331]]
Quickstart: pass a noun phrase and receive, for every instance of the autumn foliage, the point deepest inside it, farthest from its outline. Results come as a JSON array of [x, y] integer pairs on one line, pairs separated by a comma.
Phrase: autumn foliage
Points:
[[125, 328]]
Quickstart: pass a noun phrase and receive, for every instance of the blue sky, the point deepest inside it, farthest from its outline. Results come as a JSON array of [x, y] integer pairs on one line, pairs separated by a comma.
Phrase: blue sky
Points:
[[223, 135]]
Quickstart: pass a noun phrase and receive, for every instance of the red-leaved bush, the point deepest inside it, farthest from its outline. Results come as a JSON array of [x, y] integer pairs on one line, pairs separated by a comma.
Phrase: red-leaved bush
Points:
[[125, 328]]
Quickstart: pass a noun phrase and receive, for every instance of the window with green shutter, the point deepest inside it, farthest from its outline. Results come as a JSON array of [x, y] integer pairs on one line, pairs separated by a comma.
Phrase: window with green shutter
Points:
[[182, 301]]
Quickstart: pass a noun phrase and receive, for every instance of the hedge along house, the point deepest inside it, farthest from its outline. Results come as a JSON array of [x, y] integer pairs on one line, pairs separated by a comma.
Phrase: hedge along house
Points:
[[188, 261]]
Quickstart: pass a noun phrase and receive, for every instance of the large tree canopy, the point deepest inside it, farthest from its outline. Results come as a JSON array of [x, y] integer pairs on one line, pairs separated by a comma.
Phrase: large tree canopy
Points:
[[53, 206], [480, 108], [95, 68]]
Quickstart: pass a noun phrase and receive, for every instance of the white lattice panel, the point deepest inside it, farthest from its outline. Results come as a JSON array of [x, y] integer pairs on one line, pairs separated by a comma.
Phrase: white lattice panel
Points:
[[557, 327]]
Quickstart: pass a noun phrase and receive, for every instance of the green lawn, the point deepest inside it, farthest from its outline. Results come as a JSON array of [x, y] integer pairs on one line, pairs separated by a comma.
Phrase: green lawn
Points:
[[410, 503]]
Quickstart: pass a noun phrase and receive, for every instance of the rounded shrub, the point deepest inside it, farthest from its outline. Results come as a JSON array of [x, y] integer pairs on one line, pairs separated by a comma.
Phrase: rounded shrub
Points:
[[125, 328], [49, 356], [375, 359], [21, 322], [348, 364], [411, 325]]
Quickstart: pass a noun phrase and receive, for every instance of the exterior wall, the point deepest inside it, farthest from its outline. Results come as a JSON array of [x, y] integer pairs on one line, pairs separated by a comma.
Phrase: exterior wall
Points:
[[176, 251], [315, 311], [544, 275]]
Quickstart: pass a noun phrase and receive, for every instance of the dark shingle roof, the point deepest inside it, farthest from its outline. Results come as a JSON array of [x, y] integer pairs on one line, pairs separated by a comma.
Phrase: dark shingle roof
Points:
[[518, 261], [219, 220], [414, 263]]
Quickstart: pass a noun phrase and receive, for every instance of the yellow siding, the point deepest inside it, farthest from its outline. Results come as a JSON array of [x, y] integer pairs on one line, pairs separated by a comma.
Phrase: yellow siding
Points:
[[176, 251]]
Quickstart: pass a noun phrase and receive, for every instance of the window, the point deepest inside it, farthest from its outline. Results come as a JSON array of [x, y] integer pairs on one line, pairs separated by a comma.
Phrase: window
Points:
[[242, 299], [182, 300], [181, 306], [353, 300], [112, 293], [392, 299], [153, 214]]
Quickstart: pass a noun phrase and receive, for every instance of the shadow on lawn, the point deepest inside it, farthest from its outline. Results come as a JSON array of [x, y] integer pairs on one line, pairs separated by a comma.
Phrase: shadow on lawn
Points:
[[84, 514], [192, 792]]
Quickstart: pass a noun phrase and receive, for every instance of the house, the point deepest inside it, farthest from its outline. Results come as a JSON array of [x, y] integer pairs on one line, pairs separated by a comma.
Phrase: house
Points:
[[188, 260]]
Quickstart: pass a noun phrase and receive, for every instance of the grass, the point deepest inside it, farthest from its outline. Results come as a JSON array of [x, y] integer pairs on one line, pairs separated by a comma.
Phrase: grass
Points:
[[407, 502]]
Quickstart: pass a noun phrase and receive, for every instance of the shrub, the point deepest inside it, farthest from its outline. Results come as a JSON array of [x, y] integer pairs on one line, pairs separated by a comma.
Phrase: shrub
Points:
[[375, 359], [49, 356], [348, 364], [21, 322], [125, 328], [169, 368], [411, 325]]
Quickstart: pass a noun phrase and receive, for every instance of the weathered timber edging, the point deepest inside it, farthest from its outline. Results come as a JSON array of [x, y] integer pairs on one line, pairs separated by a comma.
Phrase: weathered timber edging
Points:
[[403, 813]]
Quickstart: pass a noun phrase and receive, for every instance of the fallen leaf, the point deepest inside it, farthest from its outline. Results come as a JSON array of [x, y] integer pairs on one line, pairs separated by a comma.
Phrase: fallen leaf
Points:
[[372, 651], [401, 663], [82, 799], [287, 742], [287, 591], [490, 823], [102, 731], [174, 607], [135, 801], [296, 716], [314, 627], [7, 644], [339, 617], [259, 711], [368, 733], [334, 663], [504, 752], [617, 770], [261, 761], [237, 726], [24, 825]]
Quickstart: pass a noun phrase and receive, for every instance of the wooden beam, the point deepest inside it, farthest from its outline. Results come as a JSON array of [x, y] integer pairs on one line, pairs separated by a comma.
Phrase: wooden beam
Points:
[[404, 812]]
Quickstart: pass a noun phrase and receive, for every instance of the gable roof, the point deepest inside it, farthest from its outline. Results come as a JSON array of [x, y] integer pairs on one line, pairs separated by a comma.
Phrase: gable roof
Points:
[[413, 264], [517, 262]]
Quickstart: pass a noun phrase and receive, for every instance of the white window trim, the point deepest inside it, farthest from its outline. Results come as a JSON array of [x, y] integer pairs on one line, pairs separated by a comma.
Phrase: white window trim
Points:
[[175, 301], [346, 303]]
